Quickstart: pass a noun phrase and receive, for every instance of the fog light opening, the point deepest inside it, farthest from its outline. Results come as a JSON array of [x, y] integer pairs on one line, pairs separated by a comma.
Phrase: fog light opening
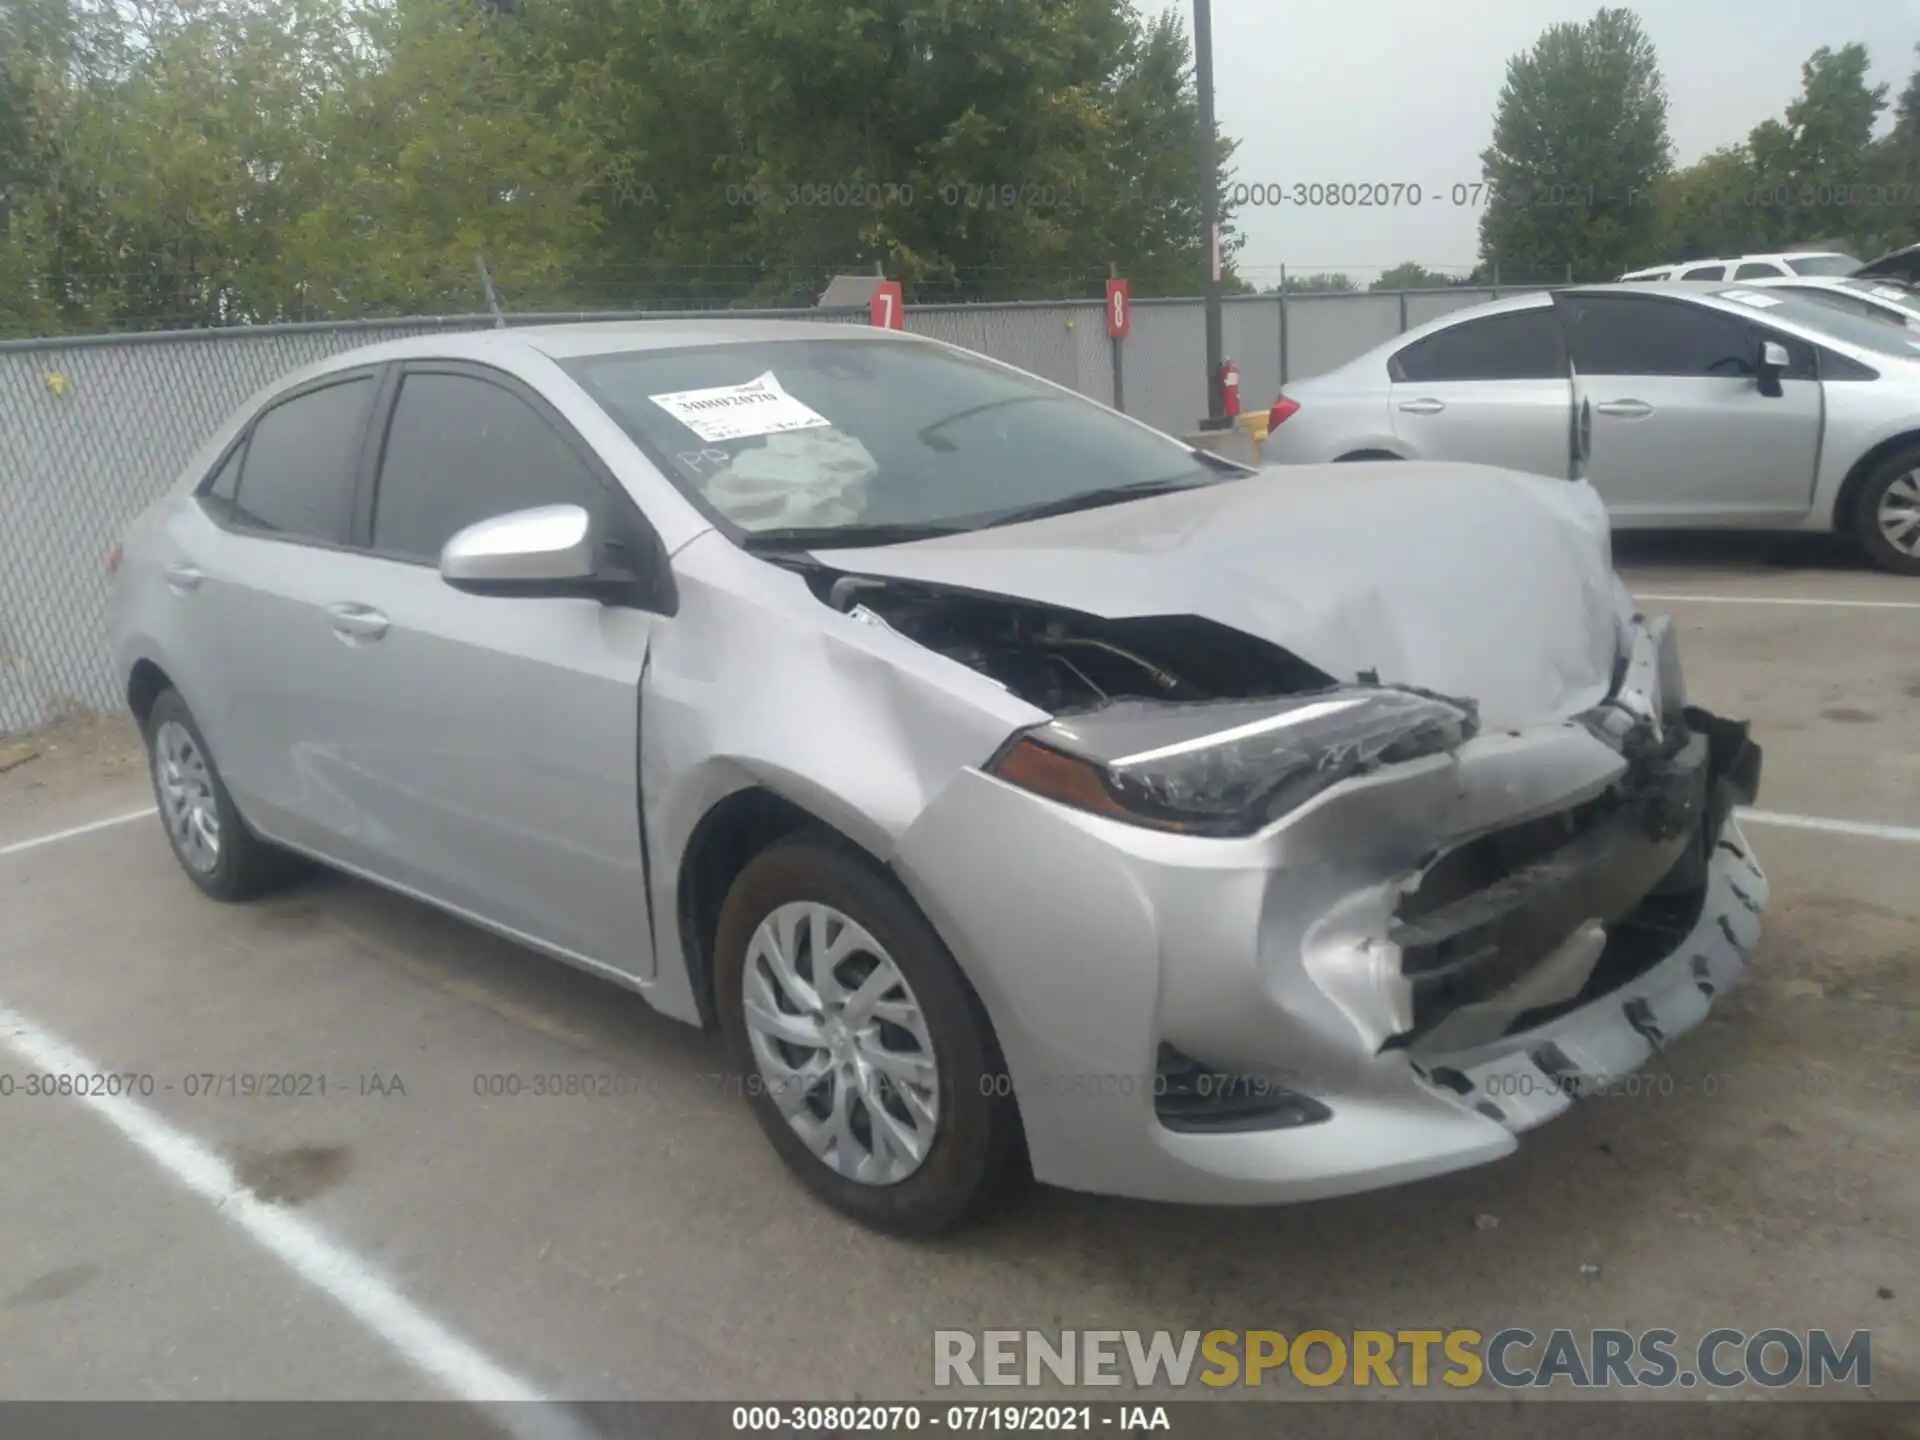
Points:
[[1192, 1097]]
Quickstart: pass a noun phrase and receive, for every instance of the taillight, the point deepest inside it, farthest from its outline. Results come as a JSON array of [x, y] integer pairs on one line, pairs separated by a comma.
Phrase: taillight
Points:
[[1282, 408], [113, 559]]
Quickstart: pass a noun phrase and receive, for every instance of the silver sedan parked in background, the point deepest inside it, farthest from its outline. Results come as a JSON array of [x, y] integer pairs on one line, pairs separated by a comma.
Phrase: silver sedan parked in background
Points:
[[1685, 405], [1888, 301], [1017, 789]]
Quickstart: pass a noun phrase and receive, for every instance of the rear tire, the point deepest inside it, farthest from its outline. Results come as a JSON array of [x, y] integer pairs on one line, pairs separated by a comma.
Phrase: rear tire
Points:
[[1886, 519], [220, 854], [948, 1144]]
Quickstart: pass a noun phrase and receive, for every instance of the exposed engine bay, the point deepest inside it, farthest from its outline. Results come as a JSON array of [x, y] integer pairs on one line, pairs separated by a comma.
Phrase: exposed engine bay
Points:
[[1063, 660]]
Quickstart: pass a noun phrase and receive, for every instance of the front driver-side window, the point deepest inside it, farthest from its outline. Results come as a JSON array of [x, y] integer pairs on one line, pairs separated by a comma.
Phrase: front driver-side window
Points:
[[461, 449], [1631, 335], [1520, 346]]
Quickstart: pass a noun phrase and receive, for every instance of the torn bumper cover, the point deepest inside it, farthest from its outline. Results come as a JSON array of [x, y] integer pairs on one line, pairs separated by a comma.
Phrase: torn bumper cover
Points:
[[1394, 981]]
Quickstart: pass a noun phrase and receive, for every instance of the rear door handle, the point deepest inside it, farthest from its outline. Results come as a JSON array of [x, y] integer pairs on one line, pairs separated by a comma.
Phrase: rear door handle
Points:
[[357, 622], [1625, 409], [1423, 407], [182, 577]]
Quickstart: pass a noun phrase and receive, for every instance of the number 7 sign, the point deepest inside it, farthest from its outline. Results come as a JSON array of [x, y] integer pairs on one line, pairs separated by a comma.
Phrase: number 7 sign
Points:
[[886, 309], [1119, 308]]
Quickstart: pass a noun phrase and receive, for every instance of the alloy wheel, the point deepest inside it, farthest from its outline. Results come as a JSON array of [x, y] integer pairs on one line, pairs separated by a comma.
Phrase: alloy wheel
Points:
[[841, 1043], [1899, 514], [187, 801]]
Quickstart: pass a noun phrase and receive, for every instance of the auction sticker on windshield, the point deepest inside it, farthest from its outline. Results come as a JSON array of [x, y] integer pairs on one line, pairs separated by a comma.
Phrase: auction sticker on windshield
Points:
[[739, 412]]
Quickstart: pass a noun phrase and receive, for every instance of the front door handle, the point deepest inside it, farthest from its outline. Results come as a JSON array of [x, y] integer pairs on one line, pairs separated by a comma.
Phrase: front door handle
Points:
[[1626, 409], [1423, 407], [357, 622], [182, 577]]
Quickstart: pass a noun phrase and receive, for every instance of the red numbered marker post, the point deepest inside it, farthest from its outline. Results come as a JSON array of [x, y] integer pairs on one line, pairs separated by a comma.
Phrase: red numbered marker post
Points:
[[1119, 308], [1119, 324], [887, 309]]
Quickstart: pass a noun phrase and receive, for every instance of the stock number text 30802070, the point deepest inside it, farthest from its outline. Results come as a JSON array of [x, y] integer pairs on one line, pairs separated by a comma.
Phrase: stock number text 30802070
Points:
[[1382, 194]]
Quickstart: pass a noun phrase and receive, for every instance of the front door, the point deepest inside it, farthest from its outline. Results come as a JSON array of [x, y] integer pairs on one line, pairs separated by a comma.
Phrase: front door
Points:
[[1673, 429], [494, 750]]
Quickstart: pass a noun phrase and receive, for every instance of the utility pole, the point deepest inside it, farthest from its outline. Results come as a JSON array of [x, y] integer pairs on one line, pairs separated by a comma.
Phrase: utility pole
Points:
[[1209, 208]]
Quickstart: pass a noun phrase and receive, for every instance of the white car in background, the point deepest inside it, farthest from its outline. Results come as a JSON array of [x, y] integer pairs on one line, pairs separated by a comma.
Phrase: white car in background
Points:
[[1786, 265], [1686, 406]]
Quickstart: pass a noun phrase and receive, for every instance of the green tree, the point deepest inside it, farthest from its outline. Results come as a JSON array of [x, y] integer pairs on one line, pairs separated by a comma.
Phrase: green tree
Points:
[[1322, 282], [1893, 178], [55, 57], [240, 161], [1707, 209], [1812, 170], [1409, 275], [966, 145], [1579, 143]]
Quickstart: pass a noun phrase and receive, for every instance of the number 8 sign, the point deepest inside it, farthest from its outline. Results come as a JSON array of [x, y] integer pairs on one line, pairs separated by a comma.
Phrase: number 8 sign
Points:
[[1119, 308]]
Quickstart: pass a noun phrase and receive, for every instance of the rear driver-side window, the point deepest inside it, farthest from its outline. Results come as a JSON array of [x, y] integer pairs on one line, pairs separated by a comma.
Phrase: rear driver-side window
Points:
[[297, 475], [461, 449], [1521, 346]]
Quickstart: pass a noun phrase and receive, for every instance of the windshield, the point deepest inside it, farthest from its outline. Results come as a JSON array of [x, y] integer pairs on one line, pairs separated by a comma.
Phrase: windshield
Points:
[[824, 435], [1824, 317], [1824, 265]]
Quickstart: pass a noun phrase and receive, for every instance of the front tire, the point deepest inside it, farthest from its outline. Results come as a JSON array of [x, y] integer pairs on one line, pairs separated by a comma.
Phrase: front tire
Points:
[[209, 839], [868, 1060], [1887, 520]]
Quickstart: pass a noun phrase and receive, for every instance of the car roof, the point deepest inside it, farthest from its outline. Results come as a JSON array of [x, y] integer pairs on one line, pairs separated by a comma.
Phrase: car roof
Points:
[[603, 337]]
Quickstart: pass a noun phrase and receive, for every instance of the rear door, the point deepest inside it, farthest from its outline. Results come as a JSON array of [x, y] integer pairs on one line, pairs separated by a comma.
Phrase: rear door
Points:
[[494, 741], [1493, 390], [264, 582], [1672, 427]]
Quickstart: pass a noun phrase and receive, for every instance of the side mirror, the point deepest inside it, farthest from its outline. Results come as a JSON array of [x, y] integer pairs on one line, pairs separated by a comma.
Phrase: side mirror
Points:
[[548, 550], [1773, 364]]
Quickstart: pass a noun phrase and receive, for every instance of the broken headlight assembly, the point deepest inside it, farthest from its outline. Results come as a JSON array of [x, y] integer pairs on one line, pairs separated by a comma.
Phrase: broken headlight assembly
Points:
[[1226, 767]]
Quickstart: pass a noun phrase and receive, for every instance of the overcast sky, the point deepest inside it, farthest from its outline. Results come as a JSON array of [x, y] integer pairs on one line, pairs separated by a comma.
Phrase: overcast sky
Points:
[[1404, 90]]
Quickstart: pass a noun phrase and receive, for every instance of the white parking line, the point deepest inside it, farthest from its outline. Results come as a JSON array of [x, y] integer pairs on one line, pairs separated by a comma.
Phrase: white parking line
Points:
[[1676, 598], [1908, 833], [425, 1343], [18, 846]]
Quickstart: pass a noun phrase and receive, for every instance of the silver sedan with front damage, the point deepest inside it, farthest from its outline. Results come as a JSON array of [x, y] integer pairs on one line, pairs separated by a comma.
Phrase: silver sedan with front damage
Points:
[[1020, 791]]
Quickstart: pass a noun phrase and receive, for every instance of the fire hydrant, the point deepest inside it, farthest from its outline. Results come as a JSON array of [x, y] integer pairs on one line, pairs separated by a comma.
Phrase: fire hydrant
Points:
[[1229, 389]]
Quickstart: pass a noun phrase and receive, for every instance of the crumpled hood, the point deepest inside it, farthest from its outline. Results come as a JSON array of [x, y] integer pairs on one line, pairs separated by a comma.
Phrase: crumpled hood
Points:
[[1464, 579]]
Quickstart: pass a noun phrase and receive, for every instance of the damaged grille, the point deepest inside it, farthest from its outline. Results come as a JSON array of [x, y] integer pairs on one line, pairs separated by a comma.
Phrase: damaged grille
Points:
[[1535, 919]]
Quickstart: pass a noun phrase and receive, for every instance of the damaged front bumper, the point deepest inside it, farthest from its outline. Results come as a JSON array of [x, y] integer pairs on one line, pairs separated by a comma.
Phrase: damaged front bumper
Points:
[[1393, 982]]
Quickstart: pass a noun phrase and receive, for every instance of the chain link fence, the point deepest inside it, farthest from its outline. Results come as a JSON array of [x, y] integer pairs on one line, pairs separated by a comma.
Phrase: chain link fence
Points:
[[93, 430]]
